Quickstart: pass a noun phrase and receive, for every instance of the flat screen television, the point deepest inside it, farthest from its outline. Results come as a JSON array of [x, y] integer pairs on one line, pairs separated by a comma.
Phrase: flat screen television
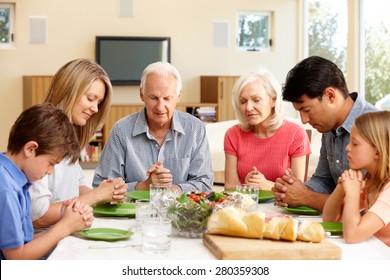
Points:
[[125, 58]]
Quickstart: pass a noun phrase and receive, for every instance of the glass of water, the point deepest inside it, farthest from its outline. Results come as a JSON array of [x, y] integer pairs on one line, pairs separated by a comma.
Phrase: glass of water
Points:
[[156, 236], [251, 191], [143, 210], [159, 194]]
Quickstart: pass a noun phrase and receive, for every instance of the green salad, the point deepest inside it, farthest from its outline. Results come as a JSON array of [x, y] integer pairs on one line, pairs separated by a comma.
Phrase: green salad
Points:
[[190, 212]]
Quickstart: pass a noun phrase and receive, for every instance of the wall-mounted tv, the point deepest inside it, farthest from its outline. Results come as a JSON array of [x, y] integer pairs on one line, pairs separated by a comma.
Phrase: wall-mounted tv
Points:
[[125, 58]]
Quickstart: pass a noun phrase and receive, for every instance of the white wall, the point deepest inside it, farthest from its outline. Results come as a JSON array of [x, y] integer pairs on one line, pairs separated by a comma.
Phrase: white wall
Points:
[[73, 25]]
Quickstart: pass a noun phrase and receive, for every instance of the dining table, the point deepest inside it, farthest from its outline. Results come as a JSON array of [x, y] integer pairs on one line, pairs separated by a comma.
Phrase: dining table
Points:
[[76, 247]]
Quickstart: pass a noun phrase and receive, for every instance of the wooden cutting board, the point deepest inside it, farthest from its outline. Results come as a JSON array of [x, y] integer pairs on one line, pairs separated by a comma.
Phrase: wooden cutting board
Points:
[[236, 248]]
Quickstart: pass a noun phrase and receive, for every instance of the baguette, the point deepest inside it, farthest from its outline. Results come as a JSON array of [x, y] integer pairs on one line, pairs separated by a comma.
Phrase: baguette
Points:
[[255, 224], [232, 221], [274, 228], [311, 232], [227, 221]]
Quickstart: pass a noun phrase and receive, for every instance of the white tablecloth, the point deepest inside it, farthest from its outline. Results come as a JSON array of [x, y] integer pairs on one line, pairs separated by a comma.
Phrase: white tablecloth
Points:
[[76, 248]]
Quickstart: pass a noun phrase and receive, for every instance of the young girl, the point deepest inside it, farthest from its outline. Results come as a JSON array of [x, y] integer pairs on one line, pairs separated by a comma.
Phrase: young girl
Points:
[[368, 190], [83, 90]]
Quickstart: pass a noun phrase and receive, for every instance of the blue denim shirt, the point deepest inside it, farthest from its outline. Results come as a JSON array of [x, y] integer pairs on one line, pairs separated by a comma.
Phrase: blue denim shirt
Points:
[[333, 154], [131, 149]]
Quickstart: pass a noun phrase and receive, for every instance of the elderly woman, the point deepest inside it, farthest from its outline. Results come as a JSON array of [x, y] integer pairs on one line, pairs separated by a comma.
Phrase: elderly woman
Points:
[[263, 145]]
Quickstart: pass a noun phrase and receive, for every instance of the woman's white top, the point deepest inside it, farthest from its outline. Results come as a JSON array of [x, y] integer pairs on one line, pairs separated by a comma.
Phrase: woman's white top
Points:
[[62, 184]]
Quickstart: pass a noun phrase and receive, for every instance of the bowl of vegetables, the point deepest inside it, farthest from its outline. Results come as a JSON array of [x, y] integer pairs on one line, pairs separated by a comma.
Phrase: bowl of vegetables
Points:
[[190, 211]]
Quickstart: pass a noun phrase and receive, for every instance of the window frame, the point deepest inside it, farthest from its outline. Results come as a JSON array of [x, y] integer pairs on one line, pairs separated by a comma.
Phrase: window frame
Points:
[[269, 17], [11, 7]]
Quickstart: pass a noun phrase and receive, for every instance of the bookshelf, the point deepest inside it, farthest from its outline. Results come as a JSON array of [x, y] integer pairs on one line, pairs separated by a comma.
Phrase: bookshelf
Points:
[[218, 90]]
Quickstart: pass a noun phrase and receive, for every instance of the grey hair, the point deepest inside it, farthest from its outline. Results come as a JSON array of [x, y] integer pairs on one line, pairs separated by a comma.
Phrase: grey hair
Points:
[[271, 86], [162, 69]]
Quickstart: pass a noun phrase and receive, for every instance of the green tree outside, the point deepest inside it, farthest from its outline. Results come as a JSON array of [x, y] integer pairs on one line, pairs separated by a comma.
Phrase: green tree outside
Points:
[[322, 30], [4, 25], [323, 26], [377, 60], [253, 31]]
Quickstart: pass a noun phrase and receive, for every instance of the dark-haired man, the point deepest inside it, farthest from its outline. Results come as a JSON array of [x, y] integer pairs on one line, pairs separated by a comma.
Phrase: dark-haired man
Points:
[[318, 91]]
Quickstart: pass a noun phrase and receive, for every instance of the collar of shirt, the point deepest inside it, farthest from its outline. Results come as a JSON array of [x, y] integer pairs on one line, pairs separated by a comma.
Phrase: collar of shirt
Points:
[[17, 174], [141, 125], [357, 110]]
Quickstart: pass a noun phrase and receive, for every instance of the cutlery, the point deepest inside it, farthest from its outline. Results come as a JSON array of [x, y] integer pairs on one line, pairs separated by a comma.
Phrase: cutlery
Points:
[[329, 235], [113, 246], [309, 216]]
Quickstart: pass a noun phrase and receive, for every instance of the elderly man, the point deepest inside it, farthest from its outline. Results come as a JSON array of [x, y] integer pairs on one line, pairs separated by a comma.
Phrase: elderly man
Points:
[[159, 144], [318, 91]]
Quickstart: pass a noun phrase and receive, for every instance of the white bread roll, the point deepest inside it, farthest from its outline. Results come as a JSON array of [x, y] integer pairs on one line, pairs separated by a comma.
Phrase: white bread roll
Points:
[[311, 232]]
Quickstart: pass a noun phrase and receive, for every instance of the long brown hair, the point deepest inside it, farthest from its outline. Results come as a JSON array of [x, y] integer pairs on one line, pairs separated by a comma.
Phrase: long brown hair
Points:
[[70, 83], [374, 127]]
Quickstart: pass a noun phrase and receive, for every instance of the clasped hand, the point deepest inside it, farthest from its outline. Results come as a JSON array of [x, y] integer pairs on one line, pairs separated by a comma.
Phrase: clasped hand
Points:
[[352, 180], [112, 191], [76, 214], [288, 190], [255, 177], [158, 174]]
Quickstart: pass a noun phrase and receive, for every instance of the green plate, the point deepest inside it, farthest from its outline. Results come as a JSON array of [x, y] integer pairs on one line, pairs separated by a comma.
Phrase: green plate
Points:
[[107, 234], [265, 195], [115, 210], [139, 194], [302, 210], [335, 228]]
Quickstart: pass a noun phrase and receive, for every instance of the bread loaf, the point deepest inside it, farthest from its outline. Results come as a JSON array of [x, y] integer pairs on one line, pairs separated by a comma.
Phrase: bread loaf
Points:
[[233, 221], [311, 232]]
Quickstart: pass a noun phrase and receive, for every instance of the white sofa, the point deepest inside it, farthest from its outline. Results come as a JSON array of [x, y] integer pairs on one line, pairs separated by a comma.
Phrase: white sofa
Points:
[[215, 134]]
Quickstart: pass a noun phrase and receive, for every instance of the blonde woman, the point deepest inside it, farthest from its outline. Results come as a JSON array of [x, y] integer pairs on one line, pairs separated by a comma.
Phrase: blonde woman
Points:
[[83, 90], [263, 145]]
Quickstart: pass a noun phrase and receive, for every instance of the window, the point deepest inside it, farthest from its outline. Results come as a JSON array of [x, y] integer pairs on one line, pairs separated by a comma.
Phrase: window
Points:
[[6, 25], [376, 50], [361, 50], [327, 30], [253, 31]]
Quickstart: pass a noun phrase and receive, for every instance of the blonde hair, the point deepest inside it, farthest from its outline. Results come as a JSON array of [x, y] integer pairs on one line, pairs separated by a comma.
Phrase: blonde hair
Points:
[[272, 88], [374, 127], [70, 83]]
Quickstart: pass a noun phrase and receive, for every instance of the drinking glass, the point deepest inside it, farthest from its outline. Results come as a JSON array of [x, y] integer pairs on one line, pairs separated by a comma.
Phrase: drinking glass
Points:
[[159, 194], [143, 210], [156, 235], [251, 191]]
